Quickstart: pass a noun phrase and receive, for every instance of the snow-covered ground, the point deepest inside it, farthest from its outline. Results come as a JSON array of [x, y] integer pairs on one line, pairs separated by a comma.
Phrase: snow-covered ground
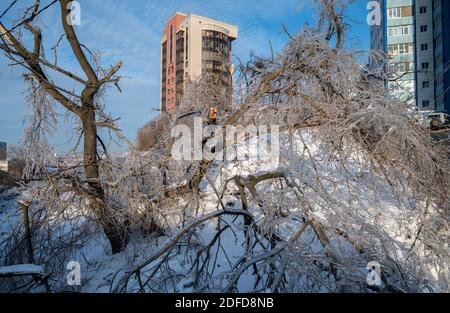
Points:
[[349, 199]]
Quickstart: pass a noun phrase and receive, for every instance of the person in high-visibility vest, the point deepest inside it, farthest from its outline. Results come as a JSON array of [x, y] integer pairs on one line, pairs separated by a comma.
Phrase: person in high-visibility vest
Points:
[[213, 115]]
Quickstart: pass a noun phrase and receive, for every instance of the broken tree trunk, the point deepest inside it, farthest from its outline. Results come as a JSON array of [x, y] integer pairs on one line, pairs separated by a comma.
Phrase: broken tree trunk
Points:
[[26, 224]]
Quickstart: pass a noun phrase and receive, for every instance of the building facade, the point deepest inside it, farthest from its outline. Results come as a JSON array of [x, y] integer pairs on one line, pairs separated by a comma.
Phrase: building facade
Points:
[[3, 157], [414, 42], [192, 45], [441, 37]]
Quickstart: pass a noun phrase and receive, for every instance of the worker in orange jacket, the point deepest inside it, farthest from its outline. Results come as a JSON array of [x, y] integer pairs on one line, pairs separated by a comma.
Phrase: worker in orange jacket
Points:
[[213, 115]]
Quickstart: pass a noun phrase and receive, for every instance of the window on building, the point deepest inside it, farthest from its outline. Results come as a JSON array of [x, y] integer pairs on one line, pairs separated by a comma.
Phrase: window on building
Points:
[[187, 42], [425, 84], [179, 74], [425, 65], [394, 13], [400, 86], [216, 48], [423, 10], [406, 11], [403, 48], [423, 28], [425, 103], [438, 40], [170, 44], [437, 23], [403, 67], [424, 47], [406, 30], [400, 30], [163, 74]]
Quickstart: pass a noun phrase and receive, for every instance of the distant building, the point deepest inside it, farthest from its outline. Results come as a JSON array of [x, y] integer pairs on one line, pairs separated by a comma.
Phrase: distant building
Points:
[[441, 34], [3, 151], [415, 36], [3, 157], [190, 46], [67, 160]]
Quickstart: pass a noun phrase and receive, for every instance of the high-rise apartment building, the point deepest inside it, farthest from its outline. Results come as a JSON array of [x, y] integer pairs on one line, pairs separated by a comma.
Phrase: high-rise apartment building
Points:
[[190, 46], [441, 34], [416, 44], [3, 157]]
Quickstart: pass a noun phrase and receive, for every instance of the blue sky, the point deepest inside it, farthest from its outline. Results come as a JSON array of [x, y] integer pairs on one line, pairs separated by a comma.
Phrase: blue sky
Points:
[[130, 31]]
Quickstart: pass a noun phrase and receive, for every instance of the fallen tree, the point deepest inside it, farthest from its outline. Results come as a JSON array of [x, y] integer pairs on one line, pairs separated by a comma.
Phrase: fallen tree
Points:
[[359, 180]]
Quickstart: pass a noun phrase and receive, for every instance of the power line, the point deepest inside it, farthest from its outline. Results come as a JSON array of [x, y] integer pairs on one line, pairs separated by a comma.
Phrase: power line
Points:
[[7, 9], [26, 20]]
